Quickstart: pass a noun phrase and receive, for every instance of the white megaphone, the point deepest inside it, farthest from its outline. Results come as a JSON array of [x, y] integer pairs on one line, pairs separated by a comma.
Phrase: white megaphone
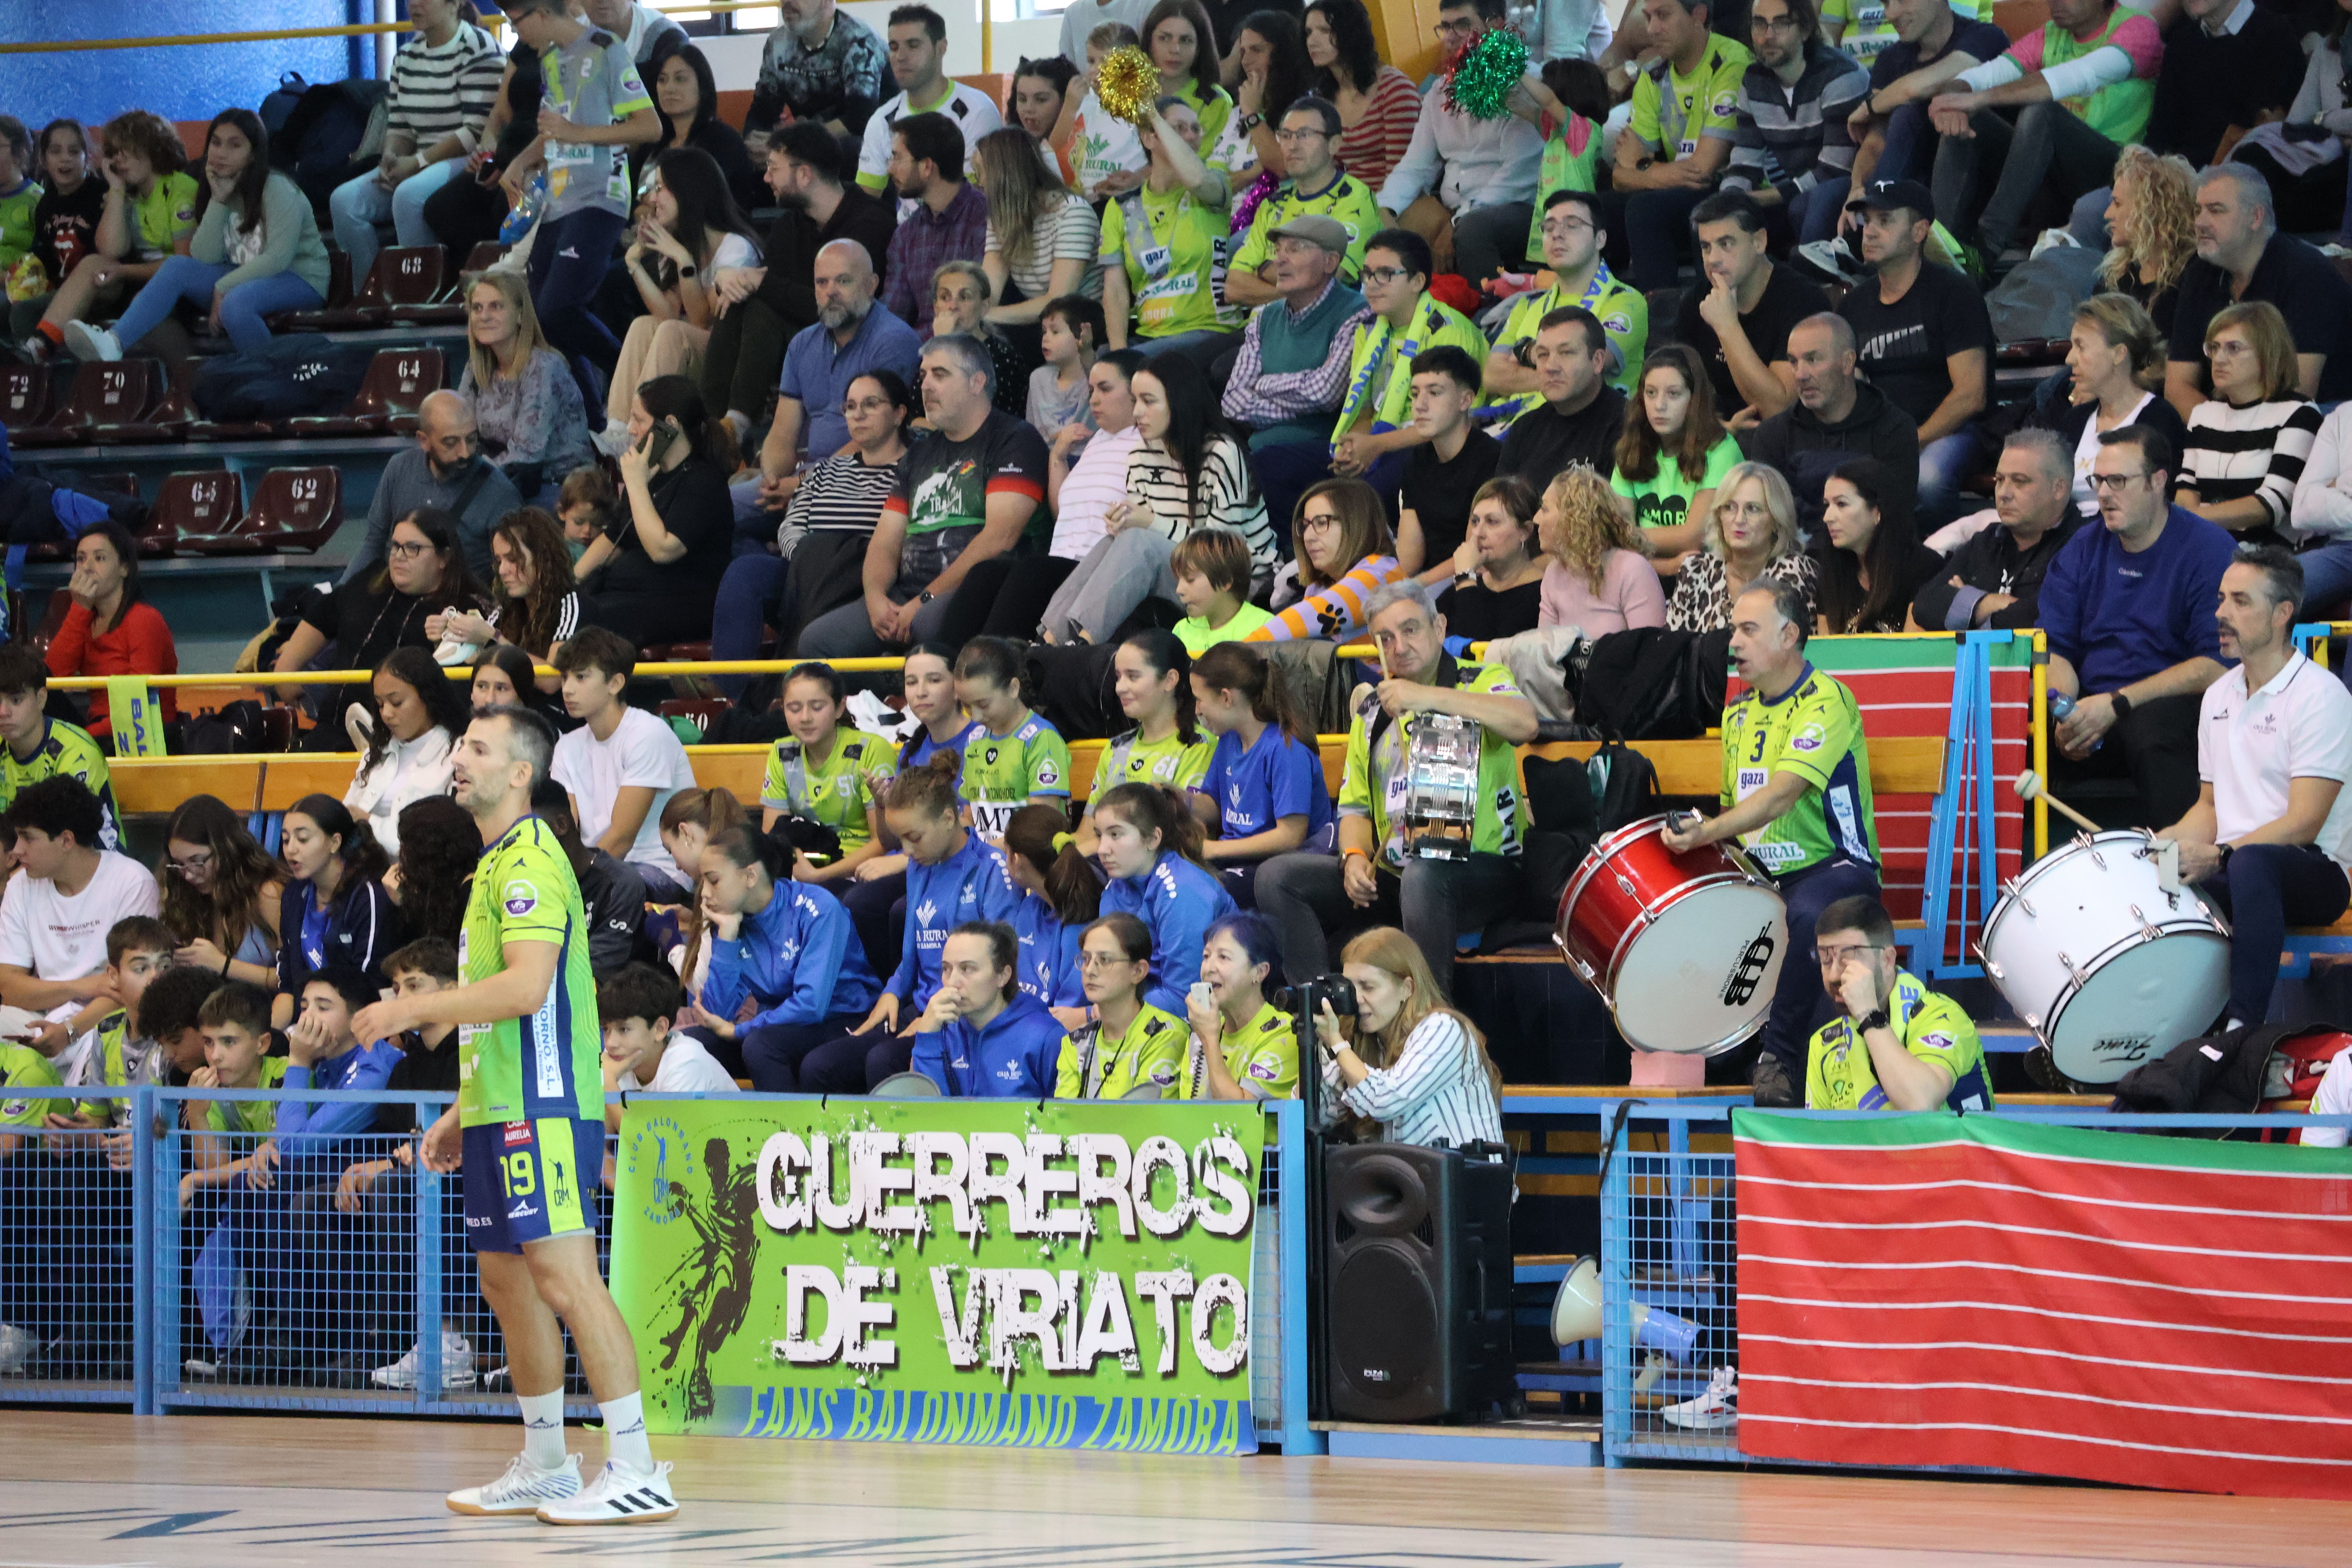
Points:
[[1576, 1315]]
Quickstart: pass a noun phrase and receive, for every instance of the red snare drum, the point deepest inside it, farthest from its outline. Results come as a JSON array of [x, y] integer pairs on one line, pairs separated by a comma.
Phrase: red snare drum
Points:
[[1686, 949]]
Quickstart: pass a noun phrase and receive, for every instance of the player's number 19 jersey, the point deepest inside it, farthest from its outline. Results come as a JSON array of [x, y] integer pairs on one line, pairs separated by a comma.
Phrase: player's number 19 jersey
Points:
[[543, 1064]]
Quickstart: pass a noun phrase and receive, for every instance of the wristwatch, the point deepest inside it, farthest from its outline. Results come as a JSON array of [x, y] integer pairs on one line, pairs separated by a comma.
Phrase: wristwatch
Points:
[[924, 597], [1876, 1020], [687, 270], [1252, 122], [2123, 705], [2225, 851]]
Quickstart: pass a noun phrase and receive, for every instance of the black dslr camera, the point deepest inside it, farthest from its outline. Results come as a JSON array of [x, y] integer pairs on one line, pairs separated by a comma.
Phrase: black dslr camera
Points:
[[1308, 1000]]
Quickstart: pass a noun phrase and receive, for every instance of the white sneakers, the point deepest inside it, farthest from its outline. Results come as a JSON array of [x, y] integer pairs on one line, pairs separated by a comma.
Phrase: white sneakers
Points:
[[88, 342], [524, 1488], [1713, 1411], [556, 1496], [616, 1496], [456, 1364]]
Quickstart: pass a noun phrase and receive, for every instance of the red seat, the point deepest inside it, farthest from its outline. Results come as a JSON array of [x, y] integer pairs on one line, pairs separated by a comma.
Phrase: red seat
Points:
[[203, 501], [481, 259], [53, 620], [105, 398], [293, 509], [398, 380], [167, 421], [338, 313], [24, 395], [419, 290]]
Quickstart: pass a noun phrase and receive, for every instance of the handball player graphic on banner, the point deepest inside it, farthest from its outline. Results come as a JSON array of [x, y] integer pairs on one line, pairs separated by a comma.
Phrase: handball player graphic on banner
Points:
[[1001, 1272]]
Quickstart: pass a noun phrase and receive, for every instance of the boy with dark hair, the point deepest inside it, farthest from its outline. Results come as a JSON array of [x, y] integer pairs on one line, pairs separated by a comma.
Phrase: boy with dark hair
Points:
[[236, 1023], [638, 1006], [1212, 567], [39, 747], [1441, 475], [119, 1052], [1071, 334], [55, 917], [623, 764]]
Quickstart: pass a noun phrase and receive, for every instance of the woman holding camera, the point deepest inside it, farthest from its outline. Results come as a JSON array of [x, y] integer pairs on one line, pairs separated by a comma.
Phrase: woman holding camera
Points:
[[1407, 1062]]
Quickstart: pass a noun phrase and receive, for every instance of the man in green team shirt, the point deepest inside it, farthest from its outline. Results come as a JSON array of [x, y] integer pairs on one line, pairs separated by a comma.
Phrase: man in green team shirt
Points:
[[1316, 185], [528, 1132], [1796, 793], [1574, 233], [1375, 426]]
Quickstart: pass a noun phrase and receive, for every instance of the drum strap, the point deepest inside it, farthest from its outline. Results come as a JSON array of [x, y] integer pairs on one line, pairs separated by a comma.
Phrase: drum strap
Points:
[[1449, 674], [1616, 1131]]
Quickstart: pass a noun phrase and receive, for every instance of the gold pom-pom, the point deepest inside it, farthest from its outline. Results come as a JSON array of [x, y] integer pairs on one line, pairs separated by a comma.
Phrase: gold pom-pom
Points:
[[1128, 84]]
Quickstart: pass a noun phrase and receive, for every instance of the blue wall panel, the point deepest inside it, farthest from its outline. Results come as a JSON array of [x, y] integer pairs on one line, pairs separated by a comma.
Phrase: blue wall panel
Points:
[[186, 83]]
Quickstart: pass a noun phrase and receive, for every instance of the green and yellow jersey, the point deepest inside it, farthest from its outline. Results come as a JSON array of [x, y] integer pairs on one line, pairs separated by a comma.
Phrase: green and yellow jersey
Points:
[[837, 790], [64, 749], [1169, 761], [1672, 112], [1172, 250], [21, 1067], [1932, 1026], [1262, 1054], [1625, 318], [1374, 782], [252, 1120], [1380, 360], [1002, 772], [544, 1064], [1346, 198], [110, 1064], [1099, 1065], [1814, 732], [1663, 501]]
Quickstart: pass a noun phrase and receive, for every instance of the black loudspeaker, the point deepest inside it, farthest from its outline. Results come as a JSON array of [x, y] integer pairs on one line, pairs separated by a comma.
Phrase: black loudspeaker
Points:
[[1417, 1300]]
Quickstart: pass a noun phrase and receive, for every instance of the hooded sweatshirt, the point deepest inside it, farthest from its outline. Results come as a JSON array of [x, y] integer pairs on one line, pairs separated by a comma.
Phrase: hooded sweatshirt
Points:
[[798, 957], [1808, 449], [1012, 1058]]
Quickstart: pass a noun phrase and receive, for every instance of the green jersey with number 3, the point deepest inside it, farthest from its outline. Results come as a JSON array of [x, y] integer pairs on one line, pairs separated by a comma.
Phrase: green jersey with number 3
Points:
[[1813, 730], [543, 1064]]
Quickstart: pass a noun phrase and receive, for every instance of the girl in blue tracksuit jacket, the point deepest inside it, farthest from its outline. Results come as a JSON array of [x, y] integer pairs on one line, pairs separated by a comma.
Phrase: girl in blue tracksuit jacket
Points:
[[952, 877], [789, 947], [1149, 844], [981, 1037], [1061, 896], [334, 913]]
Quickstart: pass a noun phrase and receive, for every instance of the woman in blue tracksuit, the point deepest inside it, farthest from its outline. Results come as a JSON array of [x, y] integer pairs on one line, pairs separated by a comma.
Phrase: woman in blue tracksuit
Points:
[[981, 1037], [952, 877], [1061, 896], [334, 913], [877, 894], [786, 945], [1150, 843]]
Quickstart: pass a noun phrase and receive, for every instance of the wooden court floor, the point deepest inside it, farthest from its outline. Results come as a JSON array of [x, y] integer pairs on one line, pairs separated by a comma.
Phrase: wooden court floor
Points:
[[84, 1490]]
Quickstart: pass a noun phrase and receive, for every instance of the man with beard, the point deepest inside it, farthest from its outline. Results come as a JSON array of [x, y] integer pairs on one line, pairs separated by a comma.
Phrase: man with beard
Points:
[[445, 471], [761, 308], [946, 217], [850, 338], [821, 67]]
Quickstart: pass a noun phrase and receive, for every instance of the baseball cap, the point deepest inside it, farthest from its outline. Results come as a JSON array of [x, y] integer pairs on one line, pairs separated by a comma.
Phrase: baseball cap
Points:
[[1317, 230], [1885, 195]]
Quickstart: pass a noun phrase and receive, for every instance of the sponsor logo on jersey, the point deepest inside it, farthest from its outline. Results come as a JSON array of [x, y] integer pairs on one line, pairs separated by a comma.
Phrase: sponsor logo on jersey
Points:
[[1048, 773], [525, 1210], [1938, 1041], [521, 898], [517, 1132], [1263, 1070]]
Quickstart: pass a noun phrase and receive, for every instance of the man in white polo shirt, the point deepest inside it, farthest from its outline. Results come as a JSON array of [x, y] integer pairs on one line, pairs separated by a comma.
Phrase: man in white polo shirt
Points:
[[2271, 833]]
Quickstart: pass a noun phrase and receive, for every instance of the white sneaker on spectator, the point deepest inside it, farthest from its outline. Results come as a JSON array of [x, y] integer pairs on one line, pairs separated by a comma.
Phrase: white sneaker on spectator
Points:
[[17, 1348], [36, 348], [617, 1497], [88, 342], [611, 440], [1711, 1412], [457, 1365], [524, 1488]]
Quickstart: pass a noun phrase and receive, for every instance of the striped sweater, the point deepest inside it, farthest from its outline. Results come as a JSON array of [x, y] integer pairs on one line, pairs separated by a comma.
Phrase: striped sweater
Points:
[[1437, 1087], [1788, 137], [2256, 451], [444, 91], [1225, 496]]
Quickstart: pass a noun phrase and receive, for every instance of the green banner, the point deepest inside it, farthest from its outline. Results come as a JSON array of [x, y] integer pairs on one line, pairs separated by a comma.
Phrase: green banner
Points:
[[1056, 1275]]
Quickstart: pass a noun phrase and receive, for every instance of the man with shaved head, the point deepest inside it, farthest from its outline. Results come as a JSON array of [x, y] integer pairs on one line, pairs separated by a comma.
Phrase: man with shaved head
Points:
[[446, 469], [850, 338], [1837, 418]]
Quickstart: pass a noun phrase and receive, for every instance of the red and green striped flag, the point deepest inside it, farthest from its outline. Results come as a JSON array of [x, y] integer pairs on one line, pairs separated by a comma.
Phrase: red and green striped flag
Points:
[[2158, 1312]]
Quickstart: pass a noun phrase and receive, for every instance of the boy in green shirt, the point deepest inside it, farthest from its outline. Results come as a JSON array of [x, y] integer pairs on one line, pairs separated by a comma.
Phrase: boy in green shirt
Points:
[[1212, 567], [1375, 426]]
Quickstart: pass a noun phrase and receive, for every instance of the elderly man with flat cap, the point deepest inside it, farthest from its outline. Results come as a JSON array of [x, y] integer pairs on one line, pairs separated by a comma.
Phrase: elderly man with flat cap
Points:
[[1288, 380]]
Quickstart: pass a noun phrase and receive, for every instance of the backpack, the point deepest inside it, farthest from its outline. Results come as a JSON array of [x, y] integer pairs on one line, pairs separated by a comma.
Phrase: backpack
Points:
[[2230, 1073], [327, 131], [1651, 684], [280, 104], [299, 372], [233, 727]]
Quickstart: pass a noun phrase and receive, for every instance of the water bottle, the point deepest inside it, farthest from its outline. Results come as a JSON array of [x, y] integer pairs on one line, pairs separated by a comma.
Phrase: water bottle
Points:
[[2060, 706]]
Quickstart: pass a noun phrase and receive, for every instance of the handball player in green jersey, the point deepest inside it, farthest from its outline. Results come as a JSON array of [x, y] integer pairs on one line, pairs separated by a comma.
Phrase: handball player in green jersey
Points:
[[528, 1134]]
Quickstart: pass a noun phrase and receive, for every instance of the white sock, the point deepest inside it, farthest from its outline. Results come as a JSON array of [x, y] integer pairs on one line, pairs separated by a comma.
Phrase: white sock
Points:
[[543, 1429], [624, 1435]]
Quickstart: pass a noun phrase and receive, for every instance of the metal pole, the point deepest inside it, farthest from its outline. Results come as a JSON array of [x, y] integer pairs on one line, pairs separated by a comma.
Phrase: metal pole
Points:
[[147, 1312]]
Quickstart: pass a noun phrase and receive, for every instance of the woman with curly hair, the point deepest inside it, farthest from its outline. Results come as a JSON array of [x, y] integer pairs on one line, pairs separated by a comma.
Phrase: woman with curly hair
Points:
[[2151, 220], [434, 877], [221, 893], [535, 605], [1594, 576], [1673, 452], [150, 215]]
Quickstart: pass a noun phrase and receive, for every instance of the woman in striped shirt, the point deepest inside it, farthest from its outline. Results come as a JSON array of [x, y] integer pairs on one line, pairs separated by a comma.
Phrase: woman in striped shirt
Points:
[[1379, 106], [443, 85], [1407, 1063], [2247, 443], [1344, 555]]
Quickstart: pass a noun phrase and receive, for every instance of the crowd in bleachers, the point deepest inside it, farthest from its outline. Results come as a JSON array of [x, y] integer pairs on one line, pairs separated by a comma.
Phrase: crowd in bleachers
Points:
[[1072, 412]]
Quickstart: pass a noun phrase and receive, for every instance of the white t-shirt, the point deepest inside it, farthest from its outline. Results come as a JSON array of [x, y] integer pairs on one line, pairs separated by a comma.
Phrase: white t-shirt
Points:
[[59, 937], [643, 752], [970, 109], [1095, 483], [2297, 726], [2088, 447], [685, 1068]]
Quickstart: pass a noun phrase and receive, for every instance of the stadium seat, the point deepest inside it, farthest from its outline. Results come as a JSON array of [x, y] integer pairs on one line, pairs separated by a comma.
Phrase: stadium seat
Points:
[[398, 380], [167, 421], [481, 259], [53, 620], [293, 509], [105, 396], [203, 501], [24, 395], [420, 292], [338, 313]]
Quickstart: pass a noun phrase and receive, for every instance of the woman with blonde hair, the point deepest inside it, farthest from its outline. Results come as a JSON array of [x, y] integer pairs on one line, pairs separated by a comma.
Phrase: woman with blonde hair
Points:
[[2247, 443], [1407, 1062], [1596, 578], [526, 400], [2152, 224], [2115, 362], [1751, 535], [1344, 554], [1673, 452], [1042, 236]]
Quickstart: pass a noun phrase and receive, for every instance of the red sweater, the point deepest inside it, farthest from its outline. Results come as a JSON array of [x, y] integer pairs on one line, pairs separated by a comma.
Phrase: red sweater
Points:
[[139, 644]]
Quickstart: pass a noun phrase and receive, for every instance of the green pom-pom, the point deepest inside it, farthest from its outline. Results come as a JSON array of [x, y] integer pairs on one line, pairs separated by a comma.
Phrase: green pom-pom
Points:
[[1484, 74]]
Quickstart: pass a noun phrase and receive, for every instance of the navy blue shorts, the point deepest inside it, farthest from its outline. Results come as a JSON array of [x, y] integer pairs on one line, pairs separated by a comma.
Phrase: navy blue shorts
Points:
[[530, 1181]]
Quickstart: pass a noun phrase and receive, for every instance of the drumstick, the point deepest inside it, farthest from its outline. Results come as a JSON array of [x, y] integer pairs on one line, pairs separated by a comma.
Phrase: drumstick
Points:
[[2029, 786]]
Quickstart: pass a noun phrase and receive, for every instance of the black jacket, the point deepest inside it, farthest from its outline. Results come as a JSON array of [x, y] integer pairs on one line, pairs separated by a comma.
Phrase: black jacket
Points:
[[1807, 450], [1991, 563], [616, 898]]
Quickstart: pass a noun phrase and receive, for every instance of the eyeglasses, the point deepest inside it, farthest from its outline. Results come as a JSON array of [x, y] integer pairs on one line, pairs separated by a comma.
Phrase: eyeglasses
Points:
[[1570, 225], [2116, 482], [403, 551], [1381, 277], [1103, 960], [1828, 957], [2227, 348], [1290, 136], [194, 866], [864, 404], [1456, 29], [1317, 522]]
